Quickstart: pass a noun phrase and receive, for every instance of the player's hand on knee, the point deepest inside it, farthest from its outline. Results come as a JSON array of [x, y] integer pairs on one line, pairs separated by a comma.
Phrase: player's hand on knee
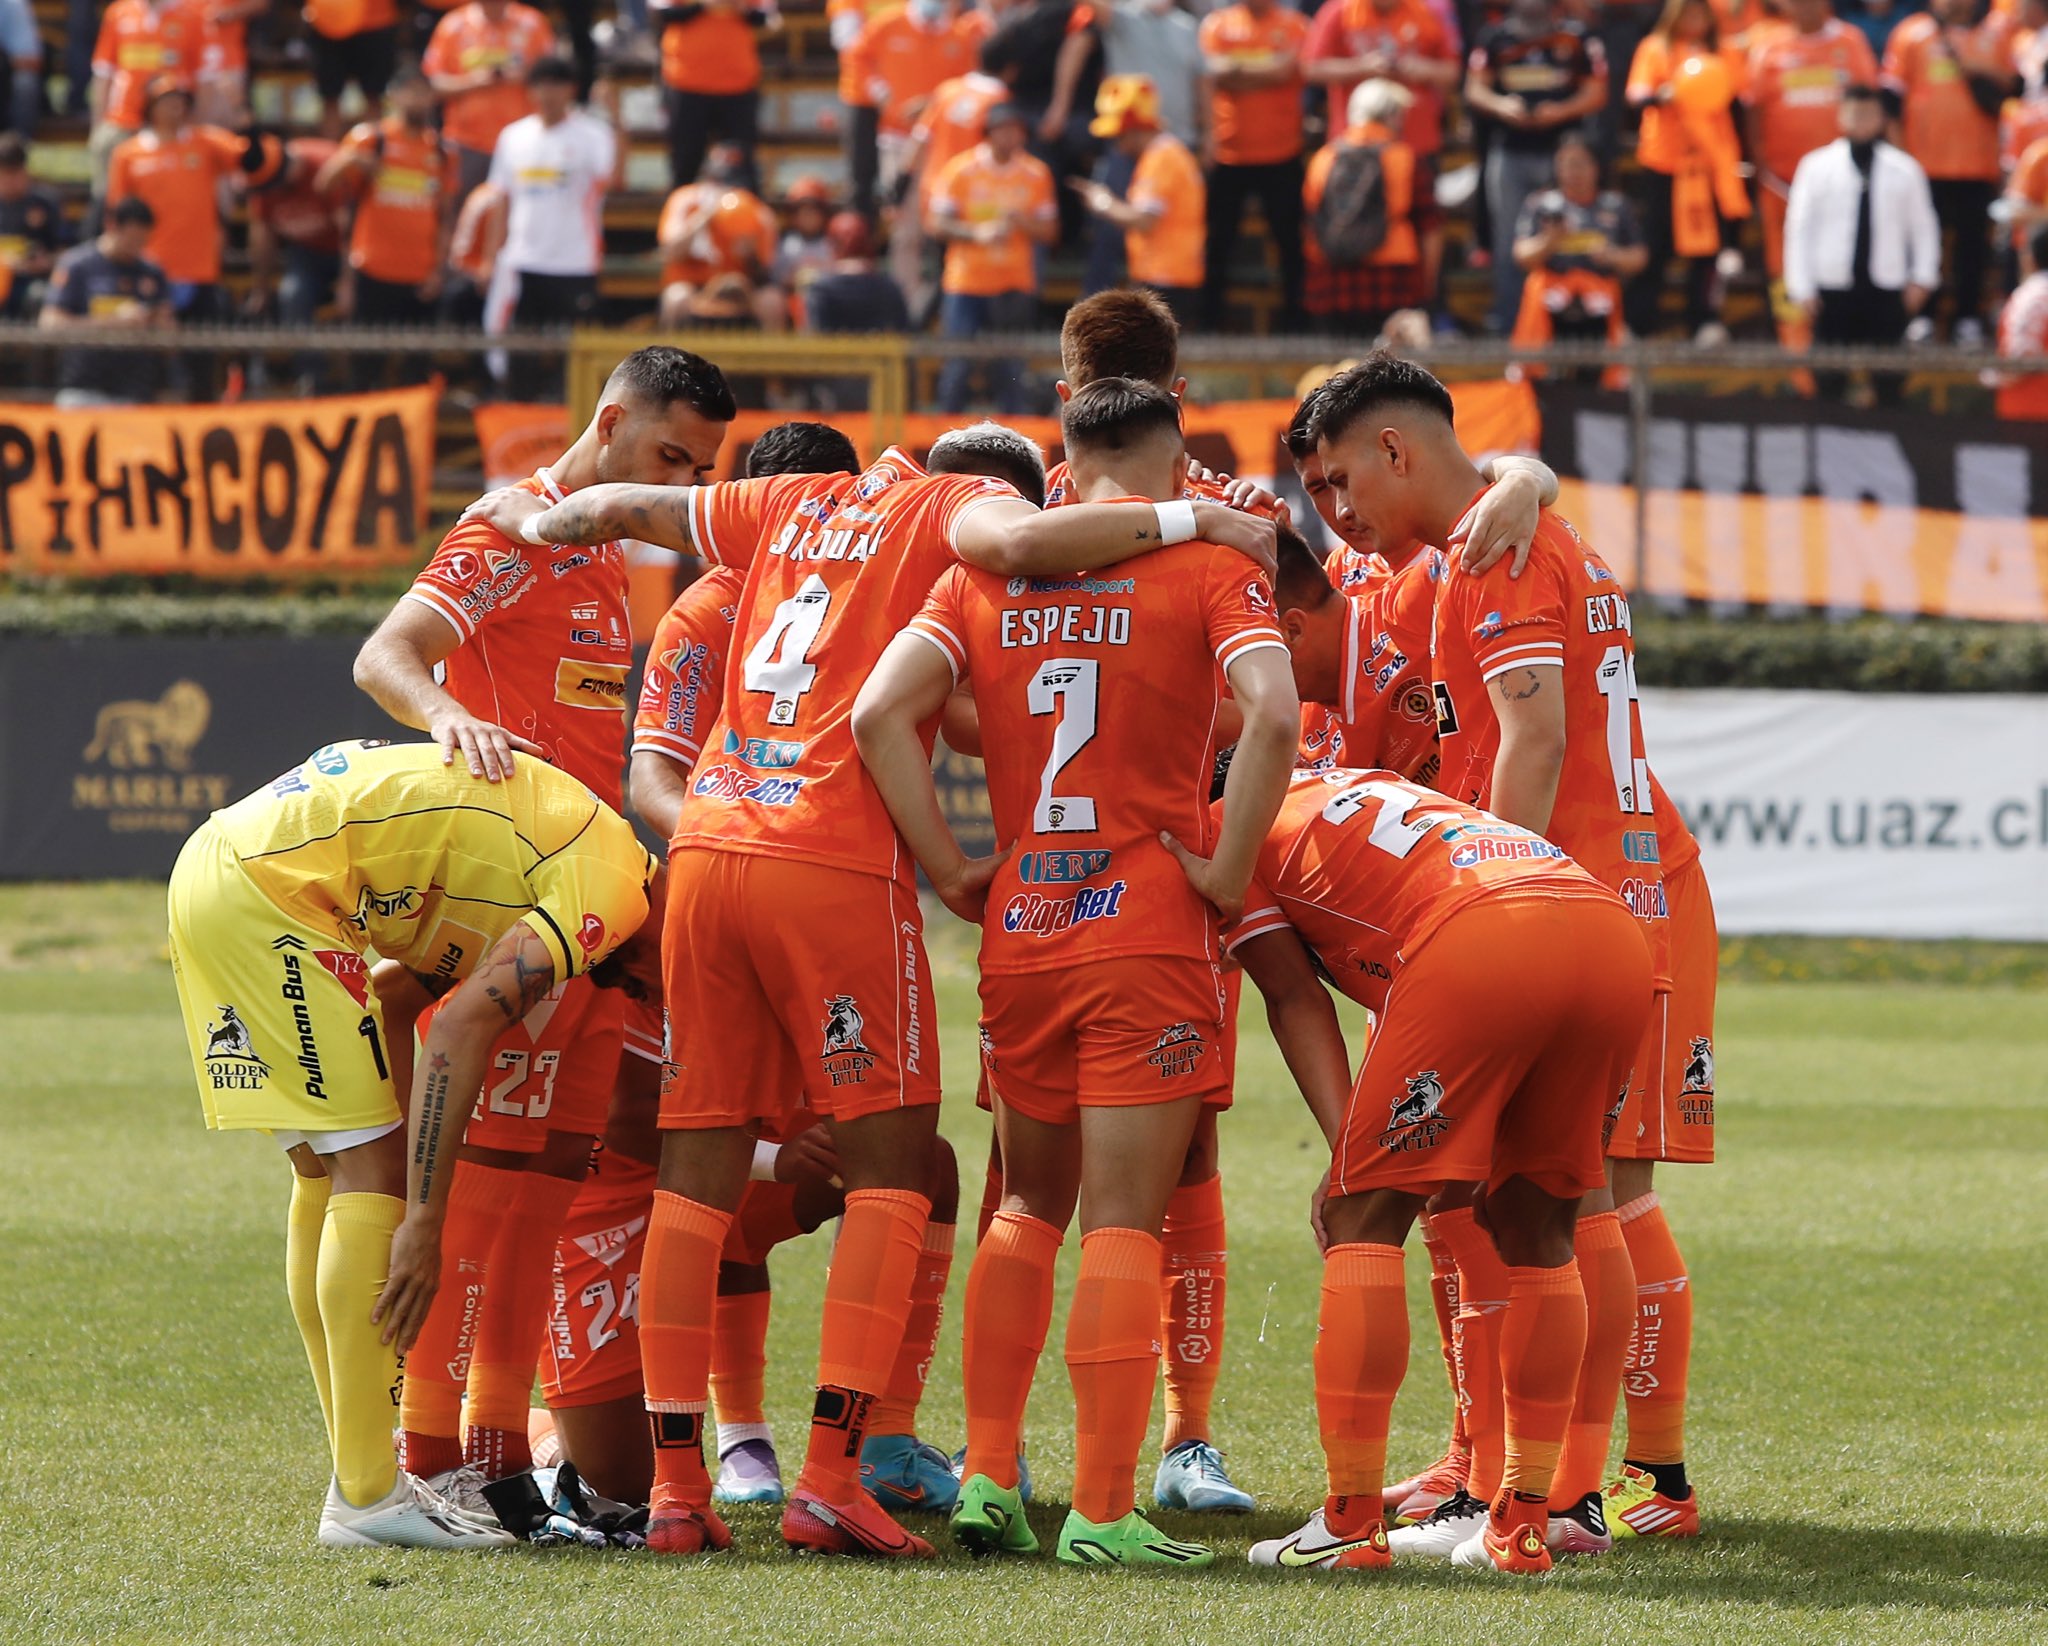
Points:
[[414, 1277], [487, 747]]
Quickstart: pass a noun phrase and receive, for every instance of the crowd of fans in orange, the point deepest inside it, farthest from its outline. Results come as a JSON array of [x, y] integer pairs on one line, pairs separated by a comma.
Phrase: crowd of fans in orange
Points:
[[1606, 156]]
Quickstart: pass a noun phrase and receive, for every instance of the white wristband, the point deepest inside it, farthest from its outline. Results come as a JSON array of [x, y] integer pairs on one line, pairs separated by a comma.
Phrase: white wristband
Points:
[[1176, 521], [763, 1169], [526, 531]]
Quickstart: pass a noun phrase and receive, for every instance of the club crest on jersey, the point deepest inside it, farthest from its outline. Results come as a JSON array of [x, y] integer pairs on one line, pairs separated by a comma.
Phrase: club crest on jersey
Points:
[[1416, 1120], [1699, 1066], [846, 1056], [876, 481], [1258, 599], [1178, 1052], [1613, 1116], [231, 1061], [1415, 703]]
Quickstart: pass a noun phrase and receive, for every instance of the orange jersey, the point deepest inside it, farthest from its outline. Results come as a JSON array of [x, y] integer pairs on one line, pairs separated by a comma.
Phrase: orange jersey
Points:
[[180, 179], [1098, 697], [854, 90], [1385, 719], [685, 679], [400, 200], [714, 53], [1945, 130], [1664, 144], [1351, 570], [1795, 85], [339, 19], [466, 41], [1262, 126], [839, 564], [1566, 610], [1677, 847], [954, 121], [900, 63], [546, 641], [1059, 480], [1397, 177], [137, 42], [1168, 181], [739, 236], [976, 187], [1365, 866], [1408, 28], [2024, 125]]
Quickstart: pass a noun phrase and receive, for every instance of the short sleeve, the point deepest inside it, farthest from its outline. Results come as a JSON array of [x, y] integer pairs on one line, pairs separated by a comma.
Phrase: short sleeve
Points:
[[1237, 608], [1262, 914], [943, 621], [953, 503], [1646, 72], [1510, 623], [472, 575], [591, 895], [727, 519], [679, 693]]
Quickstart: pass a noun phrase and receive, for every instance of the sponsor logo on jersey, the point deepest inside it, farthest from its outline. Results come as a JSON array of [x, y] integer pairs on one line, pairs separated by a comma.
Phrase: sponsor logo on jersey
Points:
[[1030, 915], [1416, 1120], [292, 990], [846, 1056], [330, 761], [1079, 585], [373, 904], [1258, 599], [1016, 586], [763, 753], [586, 637], [1179, 1050], [1470, 854], [451, 945], [231, 1061], [988, 1049], [349, 969], [290, 783], [607, 1246], [876, 481], [461, 566], [1489, 626], [1597, 572], [1446, 710], [583, 614], [1645, 898], [1640, 846], [574, 562], [1699, 1067], [1613, 1116], [504, 563], [730, 783], [1055, 868], [586, 685], [591, 936]]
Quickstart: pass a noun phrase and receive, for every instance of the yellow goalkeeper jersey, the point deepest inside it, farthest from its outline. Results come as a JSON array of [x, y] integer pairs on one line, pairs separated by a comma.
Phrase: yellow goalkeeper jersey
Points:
[[389, 849]]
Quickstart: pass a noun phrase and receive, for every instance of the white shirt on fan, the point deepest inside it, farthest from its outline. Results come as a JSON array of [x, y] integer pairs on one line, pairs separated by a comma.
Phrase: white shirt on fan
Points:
[[554, 178]]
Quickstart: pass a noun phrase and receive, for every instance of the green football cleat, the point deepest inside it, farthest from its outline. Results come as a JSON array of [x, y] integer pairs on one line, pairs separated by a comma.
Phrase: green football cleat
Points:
[[989, 1519], [1131, 1541]]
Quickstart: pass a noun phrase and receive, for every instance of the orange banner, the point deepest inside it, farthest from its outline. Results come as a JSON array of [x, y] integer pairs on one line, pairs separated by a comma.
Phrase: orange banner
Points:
[[264, 489], [517, 439]]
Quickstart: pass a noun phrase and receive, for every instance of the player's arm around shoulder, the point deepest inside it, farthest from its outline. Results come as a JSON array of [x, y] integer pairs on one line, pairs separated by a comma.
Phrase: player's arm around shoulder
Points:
[[1012, 539], [666, 516]]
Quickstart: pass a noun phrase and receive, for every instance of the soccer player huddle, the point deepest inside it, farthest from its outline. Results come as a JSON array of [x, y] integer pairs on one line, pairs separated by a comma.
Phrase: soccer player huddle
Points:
[[548, 1100]]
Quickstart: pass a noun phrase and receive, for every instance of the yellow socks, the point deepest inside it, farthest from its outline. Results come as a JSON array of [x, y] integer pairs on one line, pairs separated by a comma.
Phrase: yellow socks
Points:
[[364, 1379], [302, 1282]]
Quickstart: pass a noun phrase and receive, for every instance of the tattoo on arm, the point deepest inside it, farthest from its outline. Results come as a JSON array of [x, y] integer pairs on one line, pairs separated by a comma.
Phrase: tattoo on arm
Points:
[[434, 1094], [653, 514], [517, 974], [1518, 685]]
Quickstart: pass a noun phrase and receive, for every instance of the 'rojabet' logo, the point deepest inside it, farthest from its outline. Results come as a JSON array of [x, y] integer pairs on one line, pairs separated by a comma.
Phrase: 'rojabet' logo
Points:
[[1030, 915]]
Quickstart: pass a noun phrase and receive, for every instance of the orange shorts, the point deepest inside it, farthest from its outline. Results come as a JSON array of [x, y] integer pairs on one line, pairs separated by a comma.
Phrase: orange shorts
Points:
[[790, 981], [1226, 1045], [1506, 1041], [1677, 1061], [552, 1071], [592, 1351], [1137, 1029], [646, 1030]]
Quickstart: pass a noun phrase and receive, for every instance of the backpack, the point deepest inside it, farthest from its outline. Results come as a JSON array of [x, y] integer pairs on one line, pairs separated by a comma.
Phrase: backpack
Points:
[[1351, 219]]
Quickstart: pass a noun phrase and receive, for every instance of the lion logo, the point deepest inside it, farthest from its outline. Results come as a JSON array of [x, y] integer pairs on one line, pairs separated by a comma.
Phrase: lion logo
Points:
[[133, 733], [843, 1026], [1699, 1068], [1424, 1097]]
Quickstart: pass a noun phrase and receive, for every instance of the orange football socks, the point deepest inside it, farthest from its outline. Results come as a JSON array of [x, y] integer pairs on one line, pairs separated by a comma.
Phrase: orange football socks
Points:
[[1542, 1342], [1482, 1302], [437, 1366], [739, 1358], [1113, 1358], [515, 1314], [1008, 1311], [1610, 1286], [1443, 1297], [895, 1413], [867, 1300], [1361, 1354], [1660, 1355], [678, 1302], [1196, 1268]]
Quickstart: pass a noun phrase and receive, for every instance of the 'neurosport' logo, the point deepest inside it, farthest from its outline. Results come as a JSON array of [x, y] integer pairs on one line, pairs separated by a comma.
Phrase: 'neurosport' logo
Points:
[[1029, 915]]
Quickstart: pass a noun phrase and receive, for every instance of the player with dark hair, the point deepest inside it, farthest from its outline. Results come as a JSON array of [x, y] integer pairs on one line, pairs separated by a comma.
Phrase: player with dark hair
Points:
[[533, 651], [1102, 1025]]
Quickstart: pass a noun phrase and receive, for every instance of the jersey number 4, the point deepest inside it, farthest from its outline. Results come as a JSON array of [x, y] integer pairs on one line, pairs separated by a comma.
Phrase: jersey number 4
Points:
[[1065, 686], [780, 661]]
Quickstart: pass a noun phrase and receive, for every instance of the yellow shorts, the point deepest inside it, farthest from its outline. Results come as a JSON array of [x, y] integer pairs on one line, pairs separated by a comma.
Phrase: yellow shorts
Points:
[[285, 1035]]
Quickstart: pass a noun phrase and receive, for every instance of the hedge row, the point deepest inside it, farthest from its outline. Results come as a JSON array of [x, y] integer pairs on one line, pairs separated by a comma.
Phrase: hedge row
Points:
[[1867, 655]]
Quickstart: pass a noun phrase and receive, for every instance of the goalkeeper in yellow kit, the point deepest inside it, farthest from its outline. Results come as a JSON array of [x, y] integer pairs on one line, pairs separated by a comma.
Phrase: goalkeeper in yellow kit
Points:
[[487, 894]]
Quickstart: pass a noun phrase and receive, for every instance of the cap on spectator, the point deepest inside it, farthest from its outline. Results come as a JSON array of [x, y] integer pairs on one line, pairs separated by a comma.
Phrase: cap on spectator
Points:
[[1125, 102], [162, 86], [551, 71], [848, 236], [1003, 114], [809, 191]]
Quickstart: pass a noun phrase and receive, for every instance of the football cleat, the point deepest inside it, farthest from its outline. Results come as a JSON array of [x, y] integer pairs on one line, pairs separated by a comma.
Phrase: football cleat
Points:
[[1635, 1508], [811, 1526], [1192, 1477], [902, 1472], [1580, 1530], [1521, 1550], [568, 1494], [521, 1509], [1417, 1497], [1131, 1541], [1316, 1549], [1023, 1471], [675, 1527], [411, 1516], [989, 1519], [1449, 1524], [748, 1473]]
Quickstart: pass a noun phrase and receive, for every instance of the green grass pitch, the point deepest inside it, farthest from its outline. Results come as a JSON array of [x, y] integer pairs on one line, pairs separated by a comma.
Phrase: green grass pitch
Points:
[[1869, 1421]]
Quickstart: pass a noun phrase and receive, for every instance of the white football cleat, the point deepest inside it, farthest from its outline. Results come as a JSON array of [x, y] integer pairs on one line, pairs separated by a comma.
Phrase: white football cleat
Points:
[[412, 1516], [1315, 1549], [1454, 1521]]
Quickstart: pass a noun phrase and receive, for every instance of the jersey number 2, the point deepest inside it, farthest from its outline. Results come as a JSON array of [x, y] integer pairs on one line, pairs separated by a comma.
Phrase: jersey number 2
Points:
[[1065, 686], [779, 663]]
